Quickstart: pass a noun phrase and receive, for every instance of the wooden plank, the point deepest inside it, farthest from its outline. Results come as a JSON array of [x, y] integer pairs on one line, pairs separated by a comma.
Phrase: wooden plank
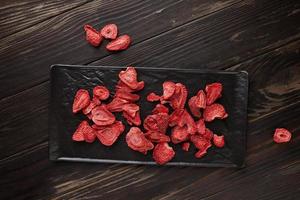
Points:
[[61, 39], [16, 15], [274, 100]]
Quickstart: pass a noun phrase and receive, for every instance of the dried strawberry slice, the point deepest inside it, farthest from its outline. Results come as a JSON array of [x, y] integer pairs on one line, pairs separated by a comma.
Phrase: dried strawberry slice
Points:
[[120, 43], [179, 134], [176, 118], [168, 89], [92, 36], [189, 122], [200, 142], [178, 99], [95, 102], [131, 109], [109, 135], [116, 105], [213, 92], [101, 92], [186, 146], [219, 140], [193, 108], [84, 132], [78, 134], [81, 100], [159, 108], [214, 111], [282, 135], [200, 125], [201, 99], [127, 96], [153, 97], [137, 141], [157, 137], [163, 153], [157, 122], [133, 121], [109, 31], [208, 134], [101, 116], [129, 77]]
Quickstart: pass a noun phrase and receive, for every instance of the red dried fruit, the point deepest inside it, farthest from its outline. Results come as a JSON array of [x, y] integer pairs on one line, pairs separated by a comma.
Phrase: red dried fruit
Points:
[[95, 102], [179, 134], [201, 99], [282, 135], [200, 142], [116, 105], [189, 122], [89, 134], [81, 100], [193, 108], [127, 96], [200, 125], [153, 97], [108, 135], [163, 153], [168, 89], [92, 36], [178, 99], [176, 117], [214, 111], [120, 43], [137, 141], [109, 31], [101, 92], [78, 134], [101, 116], [133, 121], [157, 122], [129, 77], [124, 88], [208, 134], [157, 137], [213, 92], [219, 140], [159, 108], [186, 146], [84, 132], [131, 109]]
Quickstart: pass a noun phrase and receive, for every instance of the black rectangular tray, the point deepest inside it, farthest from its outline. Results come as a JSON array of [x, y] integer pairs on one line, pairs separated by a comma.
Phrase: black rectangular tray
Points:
[[67, 79]]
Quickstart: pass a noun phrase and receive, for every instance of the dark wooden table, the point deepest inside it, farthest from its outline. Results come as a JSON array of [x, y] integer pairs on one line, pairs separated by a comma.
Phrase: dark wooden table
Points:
[[261, 37]]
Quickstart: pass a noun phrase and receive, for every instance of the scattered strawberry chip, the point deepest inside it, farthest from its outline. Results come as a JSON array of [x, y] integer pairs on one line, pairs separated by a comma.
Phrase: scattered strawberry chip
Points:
[[116, 105], [153, 97], [159, 108], [193, 107], [282, 135], [178, 99], [214, 111], [213, 92], [189, 122], [78, 134], [200, 125], [186, 146], [163, 153], [219, 140], [109, 31], [95, 102], [157, 122], [81, 100], [131, 109], [168, 89], [127, 96], [129, 77], [84, 132], [136, 120], [119, 44], [92, 36], [108, 135], [137, 141], [179, 134], [176, 118], [101, 116], [101, 92], [200, 142], [208, 134], [157, 137], [201, 99]]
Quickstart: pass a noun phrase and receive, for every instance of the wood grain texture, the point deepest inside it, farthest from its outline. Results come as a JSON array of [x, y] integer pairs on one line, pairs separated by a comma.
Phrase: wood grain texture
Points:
[[61, 39], [261, 37]]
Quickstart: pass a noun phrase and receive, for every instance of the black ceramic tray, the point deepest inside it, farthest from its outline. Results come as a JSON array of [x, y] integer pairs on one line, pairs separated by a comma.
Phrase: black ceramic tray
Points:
[[67, 79]]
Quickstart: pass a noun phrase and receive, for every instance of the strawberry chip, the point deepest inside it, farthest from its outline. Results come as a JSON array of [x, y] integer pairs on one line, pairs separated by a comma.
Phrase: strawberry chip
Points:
[[168, 89], [109, 31], [201, 99], [157, 122], [127, 96], [136, 120], [95, 102], [178, 99], [129, 77], [163, 153], [101, 116], [81, 100], [213, 92], [108, 135], [214, 111], [101, 92], [219, 140], [131, 109], [117, 104], [157, 137], [282, 135], [193, 107], [159, 108], [137, 141], [179, 134], [200, 125], [84, 132]]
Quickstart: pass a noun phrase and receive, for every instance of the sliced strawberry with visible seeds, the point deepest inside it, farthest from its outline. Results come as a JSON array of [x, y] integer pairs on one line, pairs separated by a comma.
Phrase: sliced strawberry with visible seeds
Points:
[[137, 141], [101, 116], [200, 125], [95, 102], [214, 111], [109, 31], [153, 97], [208, 134], [163, 153], [193, 108], [213, 92], [131, 109], [157, 137], [133, 121], [120, 43], [200, 142], [116, 105], [101, 92], [127, 96], [168, 89], [129, 77], [179, 134], [92, 36], [189, 122], [84, 132], [178, 99], [109, 135], [176, 117], [81, 100], [186, 146], [219, 140], [157, 122], [282, 135], [201, 99], [159, 108], [78, 134]]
